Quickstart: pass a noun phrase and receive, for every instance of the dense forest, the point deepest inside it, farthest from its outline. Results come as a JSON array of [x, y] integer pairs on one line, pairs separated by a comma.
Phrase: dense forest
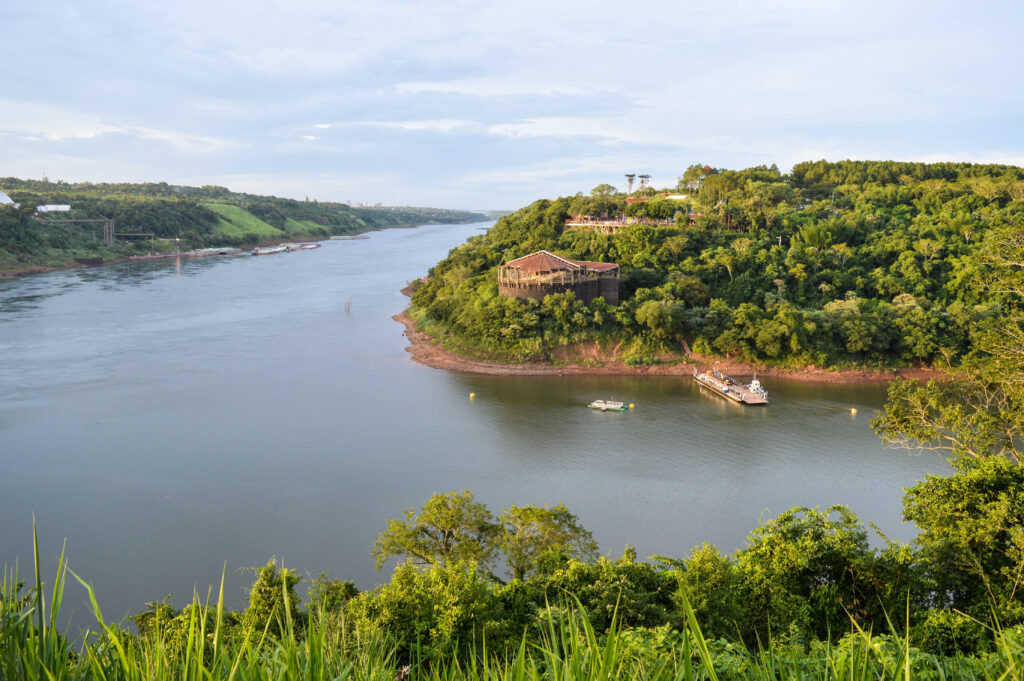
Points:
[[177, 217], [834, 264]]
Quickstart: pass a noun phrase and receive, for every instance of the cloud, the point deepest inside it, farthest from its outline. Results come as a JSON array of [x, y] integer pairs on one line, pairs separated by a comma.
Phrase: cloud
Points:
[[441, 125], [491, 86], [35, 121], [186, 142], [32, 120]]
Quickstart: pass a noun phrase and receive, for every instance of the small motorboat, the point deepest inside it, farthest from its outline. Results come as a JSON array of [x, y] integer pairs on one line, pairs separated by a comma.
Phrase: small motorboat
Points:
[[607, 405]]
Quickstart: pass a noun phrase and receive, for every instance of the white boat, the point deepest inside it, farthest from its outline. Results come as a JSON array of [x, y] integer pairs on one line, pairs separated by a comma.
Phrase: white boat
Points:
[[204, 252], [267, 250], [607, 406]]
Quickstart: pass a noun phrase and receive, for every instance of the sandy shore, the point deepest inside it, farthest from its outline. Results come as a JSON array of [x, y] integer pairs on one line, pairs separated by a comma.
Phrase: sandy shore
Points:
[[426, 351]]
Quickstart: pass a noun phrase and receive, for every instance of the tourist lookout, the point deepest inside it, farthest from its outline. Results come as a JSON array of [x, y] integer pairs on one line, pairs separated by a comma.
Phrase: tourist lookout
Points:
[[542, 273]]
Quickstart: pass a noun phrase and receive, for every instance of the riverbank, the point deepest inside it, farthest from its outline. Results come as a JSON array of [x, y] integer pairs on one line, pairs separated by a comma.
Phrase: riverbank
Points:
[[428, 352], [28, 269]]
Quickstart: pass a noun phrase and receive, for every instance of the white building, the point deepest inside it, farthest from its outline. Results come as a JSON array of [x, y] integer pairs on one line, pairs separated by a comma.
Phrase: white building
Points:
[[53, 208]]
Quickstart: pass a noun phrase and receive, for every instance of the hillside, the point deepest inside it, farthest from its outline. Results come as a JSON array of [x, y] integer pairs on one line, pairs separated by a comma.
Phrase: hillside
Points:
[[178, 217], [836, 264]]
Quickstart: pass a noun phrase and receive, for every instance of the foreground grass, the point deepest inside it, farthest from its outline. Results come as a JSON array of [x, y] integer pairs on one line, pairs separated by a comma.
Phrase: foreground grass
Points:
[[568, 649]]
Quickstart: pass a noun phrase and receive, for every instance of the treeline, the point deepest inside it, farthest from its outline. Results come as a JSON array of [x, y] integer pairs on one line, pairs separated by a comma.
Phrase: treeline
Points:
[[834, 264], [194, 217], [466, 577]]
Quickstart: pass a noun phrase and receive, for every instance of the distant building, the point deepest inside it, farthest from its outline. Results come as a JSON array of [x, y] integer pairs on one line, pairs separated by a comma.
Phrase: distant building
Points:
[[6, 201], [53, 208], [543, 273]]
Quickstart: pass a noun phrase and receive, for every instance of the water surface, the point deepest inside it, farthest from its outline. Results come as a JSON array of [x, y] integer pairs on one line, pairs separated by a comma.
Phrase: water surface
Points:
[[169, 417]]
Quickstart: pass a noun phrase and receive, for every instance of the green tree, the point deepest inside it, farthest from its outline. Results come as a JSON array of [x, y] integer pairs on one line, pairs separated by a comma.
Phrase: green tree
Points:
[[531, 534], [662, 317], [441, 610], [603, 196], [972, 537], [713, 586], [273, 601], [330, 595], [450, 528], [809, 570]]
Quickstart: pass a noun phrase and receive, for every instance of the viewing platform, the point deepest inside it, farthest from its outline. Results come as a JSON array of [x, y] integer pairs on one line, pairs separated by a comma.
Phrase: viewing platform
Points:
[[543, 273], [614, 226]]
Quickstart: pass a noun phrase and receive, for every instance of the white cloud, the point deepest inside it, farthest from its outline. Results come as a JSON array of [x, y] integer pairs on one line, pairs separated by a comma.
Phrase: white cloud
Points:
[[492, 86], [439, 125], [36, 121], [189, 143]]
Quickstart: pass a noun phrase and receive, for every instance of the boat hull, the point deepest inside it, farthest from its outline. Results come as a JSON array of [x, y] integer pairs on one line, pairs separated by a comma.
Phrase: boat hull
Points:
[[607, 406]]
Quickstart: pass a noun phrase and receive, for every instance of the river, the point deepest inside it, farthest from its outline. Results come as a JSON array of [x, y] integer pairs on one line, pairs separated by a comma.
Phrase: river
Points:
[[171, 417]]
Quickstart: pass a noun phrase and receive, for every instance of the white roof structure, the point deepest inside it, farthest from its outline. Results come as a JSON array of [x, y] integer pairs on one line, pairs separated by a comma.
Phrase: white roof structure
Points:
[[5, 200], [52, 208]]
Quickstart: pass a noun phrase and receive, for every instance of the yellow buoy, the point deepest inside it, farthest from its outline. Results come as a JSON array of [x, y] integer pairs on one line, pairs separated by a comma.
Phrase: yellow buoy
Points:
[[631, 405], [853, 411], [472, 395]]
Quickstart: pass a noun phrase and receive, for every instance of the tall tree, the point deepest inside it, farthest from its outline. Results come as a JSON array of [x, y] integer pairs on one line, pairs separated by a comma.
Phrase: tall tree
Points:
[[449, 528], [530, 534]]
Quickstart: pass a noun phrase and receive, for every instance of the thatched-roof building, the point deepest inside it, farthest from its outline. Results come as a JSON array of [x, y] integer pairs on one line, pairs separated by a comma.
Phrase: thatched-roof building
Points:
[[542, 273]]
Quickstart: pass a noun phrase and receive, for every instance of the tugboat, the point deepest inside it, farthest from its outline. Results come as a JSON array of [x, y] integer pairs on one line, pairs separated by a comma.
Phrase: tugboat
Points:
[[748, 393]]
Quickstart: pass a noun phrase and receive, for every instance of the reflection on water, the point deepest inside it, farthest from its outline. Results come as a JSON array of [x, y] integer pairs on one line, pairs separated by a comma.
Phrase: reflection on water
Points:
[[169, 416]]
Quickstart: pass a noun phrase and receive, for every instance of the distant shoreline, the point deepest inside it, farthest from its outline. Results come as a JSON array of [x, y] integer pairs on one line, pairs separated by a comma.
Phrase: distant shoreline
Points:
[[426, 351], [42, 269]]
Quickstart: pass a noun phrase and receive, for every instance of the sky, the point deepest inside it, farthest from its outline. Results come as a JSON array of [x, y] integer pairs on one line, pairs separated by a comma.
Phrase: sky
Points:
[[492, 105]]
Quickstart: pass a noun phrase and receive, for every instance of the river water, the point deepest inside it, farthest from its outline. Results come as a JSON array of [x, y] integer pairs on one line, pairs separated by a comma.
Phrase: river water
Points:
[[171, 417]]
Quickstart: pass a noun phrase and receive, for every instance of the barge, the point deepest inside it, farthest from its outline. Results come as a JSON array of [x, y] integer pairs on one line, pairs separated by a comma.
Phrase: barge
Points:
[[743, 393]]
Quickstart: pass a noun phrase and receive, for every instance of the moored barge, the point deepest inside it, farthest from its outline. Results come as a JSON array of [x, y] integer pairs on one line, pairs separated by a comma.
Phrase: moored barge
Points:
[[744, 393]]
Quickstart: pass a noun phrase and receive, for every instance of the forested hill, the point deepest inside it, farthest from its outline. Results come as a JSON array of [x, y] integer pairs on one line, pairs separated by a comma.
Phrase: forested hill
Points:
[[849, 263], [197, 216]]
